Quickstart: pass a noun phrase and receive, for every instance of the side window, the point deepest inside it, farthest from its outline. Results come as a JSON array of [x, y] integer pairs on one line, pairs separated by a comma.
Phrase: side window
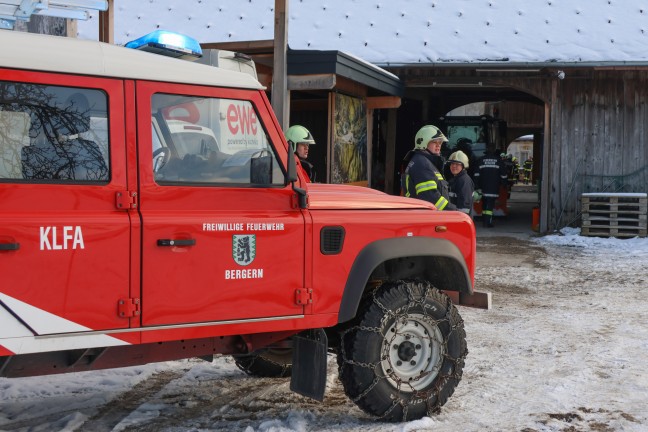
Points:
[[53, 134], [211, 141]]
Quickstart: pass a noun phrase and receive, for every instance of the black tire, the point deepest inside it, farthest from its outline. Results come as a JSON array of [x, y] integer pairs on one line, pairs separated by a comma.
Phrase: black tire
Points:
[[403, 355], [266, 363]]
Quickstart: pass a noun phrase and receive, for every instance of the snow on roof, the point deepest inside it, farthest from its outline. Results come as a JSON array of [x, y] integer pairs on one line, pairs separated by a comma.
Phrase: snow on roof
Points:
[[409, 31]]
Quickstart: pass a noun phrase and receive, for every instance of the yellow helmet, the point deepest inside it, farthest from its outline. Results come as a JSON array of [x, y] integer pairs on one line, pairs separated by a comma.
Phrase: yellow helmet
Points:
[[426, 134]]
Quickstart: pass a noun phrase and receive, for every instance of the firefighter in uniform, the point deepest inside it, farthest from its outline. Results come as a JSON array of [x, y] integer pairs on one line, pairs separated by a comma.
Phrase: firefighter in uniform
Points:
[[528, 167], [516, 170], [300, 138], [461, 185], [422, 177], [490, 174]]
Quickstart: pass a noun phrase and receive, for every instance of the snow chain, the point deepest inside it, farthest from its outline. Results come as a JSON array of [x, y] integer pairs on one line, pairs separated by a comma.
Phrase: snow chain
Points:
[[433, 404], [283, 366]]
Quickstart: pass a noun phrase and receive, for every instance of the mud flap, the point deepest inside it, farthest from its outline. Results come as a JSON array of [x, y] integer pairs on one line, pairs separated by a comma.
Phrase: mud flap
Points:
[[309, 364]]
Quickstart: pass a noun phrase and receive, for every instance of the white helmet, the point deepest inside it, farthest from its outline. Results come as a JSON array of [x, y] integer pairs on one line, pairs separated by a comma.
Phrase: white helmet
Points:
[[426, 134], [459, 157], [298, 134]]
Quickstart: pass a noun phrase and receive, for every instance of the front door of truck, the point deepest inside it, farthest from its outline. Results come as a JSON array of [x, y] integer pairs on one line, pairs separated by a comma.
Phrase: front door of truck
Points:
[[64, 245], [222, 239]]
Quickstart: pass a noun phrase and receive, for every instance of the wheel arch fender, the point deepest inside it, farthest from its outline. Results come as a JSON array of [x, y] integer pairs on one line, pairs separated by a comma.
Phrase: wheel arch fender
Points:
[[449, 267]]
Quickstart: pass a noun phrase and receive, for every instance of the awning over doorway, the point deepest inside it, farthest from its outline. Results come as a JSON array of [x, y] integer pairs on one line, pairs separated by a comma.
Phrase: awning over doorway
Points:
[[312, 69]]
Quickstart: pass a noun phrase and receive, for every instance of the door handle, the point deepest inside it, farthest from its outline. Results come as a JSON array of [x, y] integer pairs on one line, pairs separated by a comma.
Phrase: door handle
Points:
[[181, 242], [9, 246]]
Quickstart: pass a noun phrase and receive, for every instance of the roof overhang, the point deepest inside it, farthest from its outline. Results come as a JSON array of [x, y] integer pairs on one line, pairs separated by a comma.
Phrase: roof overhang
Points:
[[522, 66], [313, 69]]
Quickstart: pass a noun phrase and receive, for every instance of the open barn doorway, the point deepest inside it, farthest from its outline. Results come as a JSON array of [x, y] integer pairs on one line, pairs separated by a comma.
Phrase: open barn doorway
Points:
[[512, 102], [516, 131]]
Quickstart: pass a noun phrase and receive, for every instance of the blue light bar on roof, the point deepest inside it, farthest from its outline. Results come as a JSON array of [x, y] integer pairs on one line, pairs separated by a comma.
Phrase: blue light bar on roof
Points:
[[169, 44]]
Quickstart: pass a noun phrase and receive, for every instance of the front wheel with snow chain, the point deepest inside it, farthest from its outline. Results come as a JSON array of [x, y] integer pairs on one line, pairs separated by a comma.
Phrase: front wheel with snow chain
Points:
[[403, 355], [266, 363]]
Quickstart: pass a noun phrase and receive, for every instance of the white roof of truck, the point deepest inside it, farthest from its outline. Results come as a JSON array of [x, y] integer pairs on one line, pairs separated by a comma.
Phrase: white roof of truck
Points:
[[68, 55]]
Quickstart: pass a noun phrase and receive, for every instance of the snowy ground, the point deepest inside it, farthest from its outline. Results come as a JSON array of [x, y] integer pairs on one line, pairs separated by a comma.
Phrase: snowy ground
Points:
[[563, 349]]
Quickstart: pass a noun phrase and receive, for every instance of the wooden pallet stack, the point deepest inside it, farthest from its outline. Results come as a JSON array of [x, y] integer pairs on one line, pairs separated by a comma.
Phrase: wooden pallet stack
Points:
[[614, 214]]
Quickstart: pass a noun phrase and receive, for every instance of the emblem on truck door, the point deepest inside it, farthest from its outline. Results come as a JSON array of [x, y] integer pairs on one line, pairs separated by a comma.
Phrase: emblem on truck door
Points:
[[244, 248]]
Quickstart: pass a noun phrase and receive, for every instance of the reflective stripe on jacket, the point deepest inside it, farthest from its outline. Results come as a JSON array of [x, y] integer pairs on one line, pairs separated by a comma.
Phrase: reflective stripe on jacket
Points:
[[424, 181]]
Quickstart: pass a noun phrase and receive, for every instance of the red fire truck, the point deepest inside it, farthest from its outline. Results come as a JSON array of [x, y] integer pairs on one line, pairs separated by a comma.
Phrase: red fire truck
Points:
[[151, 210]]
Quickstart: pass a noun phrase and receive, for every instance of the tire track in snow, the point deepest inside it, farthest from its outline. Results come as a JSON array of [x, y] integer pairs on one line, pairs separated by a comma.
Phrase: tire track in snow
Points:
[[114, 412]]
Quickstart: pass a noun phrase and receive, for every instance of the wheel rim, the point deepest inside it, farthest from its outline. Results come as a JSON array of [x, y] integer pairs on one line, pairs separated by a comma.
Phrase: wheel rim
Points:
[[413, 352]]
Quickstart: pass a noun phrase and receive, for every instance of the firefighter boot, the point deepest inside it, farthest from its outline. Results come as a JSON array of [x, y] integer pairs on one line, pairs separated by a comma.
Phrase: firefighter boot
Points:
[[489, 221]]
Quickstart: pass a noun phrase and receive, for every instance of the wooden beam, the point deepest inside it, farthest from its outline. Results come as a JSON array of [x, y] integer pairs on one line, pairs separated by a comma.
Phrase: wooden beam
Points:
[[390, 153], [329, 136], [107, 24], [369, 161], [351, 87], [71, 28], [312, 82], [382, 102], [547, 149], [512, 125], [280, 93], [247, 47]]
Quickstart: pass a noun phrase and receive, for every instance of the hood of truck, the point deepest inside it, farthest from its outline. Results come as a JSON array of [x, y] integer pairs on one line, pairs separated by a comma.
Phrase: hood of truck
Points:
[[331, 196]]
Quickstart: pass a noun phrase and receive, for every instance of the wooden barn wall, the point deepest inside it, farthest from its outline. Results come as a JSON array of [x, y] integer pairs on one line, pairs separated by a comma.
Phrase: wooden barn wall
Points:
[[598, 139], [522, 118], [522, 114], [598, 136]]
